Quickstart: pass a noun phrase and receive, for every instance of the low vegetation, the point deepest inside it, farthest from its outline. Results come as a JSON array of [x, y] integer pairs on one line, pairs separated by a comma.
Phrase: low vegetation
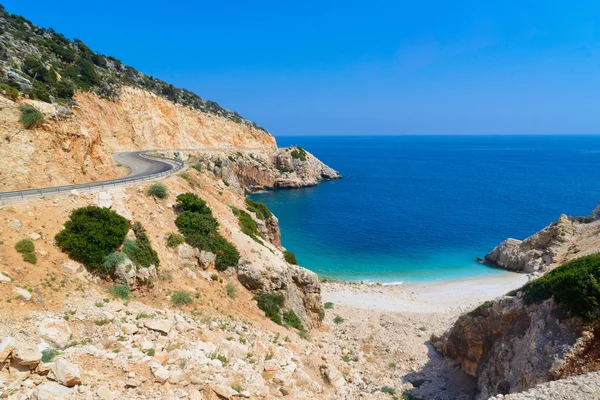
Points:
[[290, 318], [247, 224], [290, 257], [119, 292], [338, 320], [271, 304], [111, 261], [299, 153], [30, 117], [181, 298], [231, 290], [91, 234], [175, 239], [575, 285], [140, 251], [261, 211], [26, 248], [328, 305], [199, 228], [158, 190]]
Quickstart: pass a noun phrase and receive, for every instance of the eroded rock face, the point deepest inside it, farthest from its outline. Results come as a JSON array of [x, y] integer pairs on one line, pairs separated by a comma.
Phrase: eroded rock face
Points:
[[509, 346], [539, 251], [126, 273]]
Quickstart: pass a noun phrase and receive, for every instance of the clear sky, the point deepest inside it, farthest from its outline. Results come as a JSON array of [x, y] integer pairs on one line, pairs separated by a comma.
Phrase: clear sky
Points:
[[360, 67]]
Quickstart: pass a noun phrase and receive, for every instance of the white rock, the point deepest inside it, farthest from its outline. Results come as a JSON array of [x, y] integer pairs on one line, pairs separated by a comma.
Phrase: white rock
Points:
[[55, 331], [75, 193], [73, 267], [52, 391], [35, 236], [103, 199], [24, 294], [7, 345], [4, 278], [26, 355], [16, 225], [129, 328], [159, 325], [161, 375], [67, 373], [104, 393]]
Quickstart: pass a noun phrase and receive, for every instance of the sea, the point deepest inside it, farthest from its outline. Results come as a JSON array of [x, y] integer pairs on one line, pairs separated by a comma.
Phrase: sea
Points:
[[423, 208]]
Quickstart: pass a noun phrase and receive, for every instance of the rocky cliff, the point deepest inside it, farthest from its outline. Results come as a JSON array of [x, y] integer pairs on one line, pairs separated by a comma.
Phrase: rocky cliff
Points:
[[559, 242]]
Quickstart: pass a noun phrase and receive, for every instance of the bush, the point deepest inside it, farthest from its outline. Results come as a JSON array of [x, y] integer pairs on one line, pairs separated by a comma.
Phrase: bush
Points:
[[141, 252], [328, 305], [9, 91], [197, 167], [175, 239], [338, 319], [290, 257], [91, 234], [30, 116], [193, 203], [227, 254], [231, 291], [299, 153], [119, 292], [180, 298], [65, 89], [388, 390], [49, 354], [248, 225], [111, 261], [573, 285], [271, 303], [25, 246], [261, 211], [158, 190], [193, 223], [31, 258], [291, 319]]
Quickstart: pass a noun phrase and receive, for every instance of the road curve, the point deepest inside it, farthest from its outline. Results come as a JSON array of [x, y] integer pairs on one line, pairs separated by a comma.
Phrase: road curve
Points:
[[142, 167]]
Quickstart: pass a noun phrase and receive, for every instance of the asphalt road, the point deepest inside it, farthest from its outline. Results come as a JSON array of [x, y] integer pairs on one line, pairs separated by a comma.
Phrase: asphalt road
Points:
[[142, 167]]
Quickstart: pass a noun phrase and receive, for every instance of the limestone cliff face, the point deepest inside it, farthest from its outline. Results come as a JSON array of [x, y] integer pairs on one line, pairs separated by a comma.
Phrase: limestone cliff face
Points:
[[561, 241], [510, 347], [75, 145]]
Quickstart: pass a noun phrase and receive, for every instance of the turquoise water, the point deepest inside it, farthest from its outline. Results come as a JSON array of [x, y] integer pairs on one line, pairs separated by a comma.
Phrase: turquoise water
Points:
[[421, 208]]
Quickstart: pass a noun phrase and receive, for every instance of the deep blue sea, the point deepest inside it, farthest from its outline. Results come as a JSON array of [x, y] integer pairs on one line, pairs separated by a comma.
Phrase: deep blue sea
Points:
[[421, 208]]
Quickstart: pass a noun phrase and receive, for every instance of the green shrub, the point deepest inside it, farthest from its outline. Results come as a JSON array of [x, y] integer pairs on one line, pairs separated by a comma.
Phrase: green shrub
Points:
[[292, 319], [194, 223], [271, 303], [31, 258], [573, 285], [25, 246], [227, 254], [49, 354], [261, 211], [214, 277], [141, 252], [248, 225], [119, 292], [338, 319], [181, 297], [65, 89], [197, 167], [158, 190], [111, 261], [9, 91], [30, 116], [193, 203], [231, 291], [151, 352], [290, 257], [328, 305], [174, 239], [388, 390], [299, 153], [91, 234]]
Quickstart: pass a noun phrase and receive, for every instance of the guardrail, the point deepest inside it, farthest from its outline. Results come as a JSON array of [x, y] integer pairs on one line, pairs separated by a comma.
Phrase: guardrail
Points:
[[21, 194]]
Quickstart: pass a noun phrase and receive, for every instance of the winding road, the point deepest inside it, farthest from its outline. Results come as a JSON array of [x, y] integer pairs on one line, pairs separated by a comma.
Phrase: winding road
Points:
[[142, 167]]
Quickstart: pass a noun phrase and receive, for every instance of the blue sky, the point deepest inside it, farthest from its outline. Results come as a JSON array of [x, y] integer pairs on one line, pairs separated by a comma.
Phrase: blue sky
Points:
[[377, 67]]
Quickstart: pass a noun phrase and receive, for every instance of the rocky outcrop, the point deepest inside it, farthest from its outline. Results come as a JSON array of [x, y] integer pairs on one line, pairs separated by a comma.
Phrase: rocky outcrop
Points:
[[128, 274], [557, 243], [248, 171], [510, 347]]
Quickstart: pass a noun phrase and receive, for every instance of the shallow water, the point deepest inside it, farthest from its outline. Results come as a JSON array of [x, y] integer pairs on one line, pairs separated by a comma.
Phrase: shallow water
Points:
[[421, 208]]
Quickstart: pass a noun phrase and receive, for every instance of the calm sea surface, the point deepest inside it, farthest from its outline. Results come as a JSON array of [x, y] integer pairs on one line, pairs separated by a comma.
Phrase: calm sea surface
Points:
[[421, 208]]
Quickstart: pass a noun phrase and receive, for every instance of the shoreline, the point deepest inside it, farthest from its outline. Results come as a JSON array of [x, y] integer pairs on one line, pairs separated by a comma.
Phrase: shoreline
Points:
[[425, 297]]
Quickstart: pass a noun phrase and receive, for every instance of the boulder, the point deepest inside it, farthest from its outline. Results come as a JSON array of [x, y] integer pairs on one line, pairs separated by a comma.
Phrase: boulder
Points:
[[35, 236], [73, 267], [7, 345], [52, 391], [161, 374], [67, 373], [126, 273], [206, 260], [26, 355], [4, 278], [160, 325], [16, 225], [22, 293], [56, 332], [103, 200]]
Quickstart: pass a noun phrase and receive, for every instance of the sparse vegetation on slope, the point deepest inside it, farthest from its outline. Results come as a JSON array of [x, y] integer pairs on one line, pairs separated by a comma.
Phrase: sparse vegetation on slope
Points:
[[247, 224], [52, 67], [260, 209], [574, 285], [271, 304], [91, 234], [158, 190], [30, 116], [199, 227], [290, 257], [140, 251]]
